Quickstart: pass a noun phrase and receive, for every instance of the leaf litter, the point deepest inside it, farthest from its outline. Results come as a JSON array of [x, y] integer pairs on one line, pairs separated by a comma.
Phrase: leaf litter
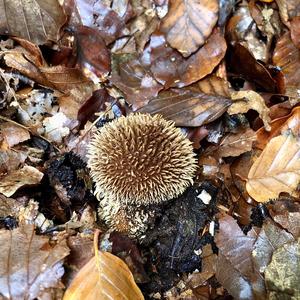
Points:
[[226, 73]]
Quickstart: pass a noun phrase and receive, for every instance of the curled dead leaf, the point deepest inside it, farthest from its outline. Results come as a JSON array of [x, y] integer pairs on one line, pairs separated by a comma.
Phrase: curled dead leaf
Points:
[[276, 170], [105, 277], [252, 100], [189, 23], [13, 181]]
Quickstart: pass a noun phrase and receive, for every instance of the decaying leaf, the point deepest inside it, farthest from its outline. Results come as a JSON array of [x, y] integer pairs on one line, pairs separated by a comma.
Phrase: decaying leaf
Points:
[[269, 239], [276, 170], [134, 80], [245, 64], [92, 54], [287, 214], [251, 100], [286, 56], [235, 245], [171, 69], [96, 14], [187, 108], [13, 181], [279, 126], [283, 273], [37, 21], [29, 264], [235, 144], [234, 268], [214, 85], [189, 23], [105, 277], [12, 135]]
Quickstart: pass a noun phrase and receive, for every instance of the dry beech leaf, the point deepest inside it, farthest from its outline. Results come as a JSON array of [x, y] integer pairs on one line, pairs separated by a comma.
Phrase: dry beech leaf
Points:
[[235, 245], [58, 77], [245, 64], [134, 80], [252, 100], [269, 239], [13, 181], [276, 170], [295, 31], [97, 15], [12, 135], [234, 268], [105, 279], [37, 21], [287, 214], [214, 85], [189, 23], [29, 263], [187, 108], [92, 53], [234, 144], [287, 57], [171, 69], [290, 123]]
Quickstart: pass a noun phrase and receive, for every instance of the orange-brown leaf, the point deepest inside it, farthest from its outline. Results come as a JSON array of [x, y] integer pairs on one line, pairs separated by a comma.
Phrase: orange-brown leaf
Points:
[[110, 279], [287, 57], [189, 23], [276, 170]]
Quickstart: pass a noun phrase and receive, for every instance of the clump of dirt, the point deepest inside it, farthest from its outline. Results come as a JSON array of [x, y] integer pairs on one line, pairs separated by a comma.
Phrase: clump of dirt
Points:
[[174, 245], [70, 187]]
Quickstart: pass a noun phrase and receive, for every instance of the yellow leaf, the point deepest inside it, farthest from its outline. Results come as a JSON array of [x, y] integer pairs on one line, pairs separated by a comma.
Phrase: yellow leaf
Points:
[[104, 277], [276, 170]]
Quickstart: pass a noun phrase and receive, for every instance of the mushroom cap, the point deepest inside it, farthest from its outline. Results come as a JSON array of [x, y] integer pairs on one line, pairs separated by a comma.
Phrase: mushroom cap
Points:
[[141, 159]]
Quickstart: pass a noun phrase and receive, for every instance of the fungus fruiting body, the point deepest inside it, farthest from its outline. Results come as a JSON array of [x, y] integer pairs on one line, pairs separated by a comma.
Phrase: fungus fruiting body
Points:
[[141, 159], [135, 162]]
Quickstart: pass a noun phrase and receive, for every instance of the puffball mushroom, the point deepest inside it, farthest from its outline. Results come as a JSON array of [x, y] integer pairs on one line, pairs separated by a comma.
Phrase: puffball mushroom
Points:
[[140, 159]]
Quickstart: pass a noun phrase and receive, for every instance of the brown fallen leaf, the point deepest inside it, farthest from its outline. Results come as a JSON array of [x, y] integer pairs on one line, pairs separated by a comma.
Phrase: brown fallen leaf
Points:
[[171, 69], [270, 238], [187, 108], [295, 31], [290, 123], [276, 170], [12, 135], [37, 21], [29, 264], [235, 260], [214, 85], [61, 78], [283, 273], [286, 56], [286, 213], [288, 9], [189, 23], [92, 54], [235, 245], [234, 144], [28, 175], [245, 64], [134, 80], [98, 15], [104, 277], [252, 100]]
